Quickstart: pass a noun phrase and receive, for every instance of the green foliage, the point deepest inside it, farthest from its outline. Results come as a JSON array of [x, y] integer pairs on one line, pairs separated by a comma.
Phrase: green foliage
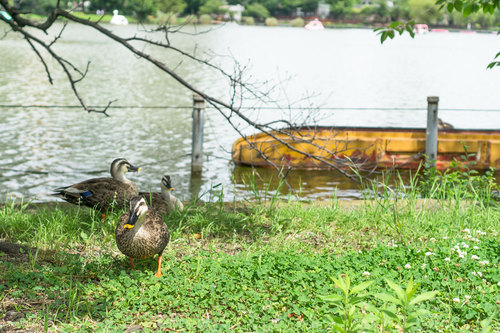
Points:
[[256, 10], [430, 11], [190, 19], [258, 266], [248, 20], [425, 11], [459, 182], [107, 5], [297, 22], [205, 19], [495, 62], [171, 6], [41, 7], [393, 28], [166, 18], [347, 314], [351, 307], [271, 22], [405, 300], [212, 7], [140, 8]]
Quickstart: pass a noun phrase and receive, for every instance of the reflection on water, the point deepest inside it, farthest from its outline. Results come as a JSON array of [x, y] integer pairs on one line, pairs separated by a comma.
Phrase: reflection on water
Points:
[[338, 68], [319, 184]]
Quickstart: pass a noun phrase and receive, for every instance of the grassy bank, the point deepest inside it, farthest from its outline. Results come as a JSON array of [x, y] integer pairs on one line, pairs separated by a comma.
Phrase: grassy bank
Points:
[[256, 267]]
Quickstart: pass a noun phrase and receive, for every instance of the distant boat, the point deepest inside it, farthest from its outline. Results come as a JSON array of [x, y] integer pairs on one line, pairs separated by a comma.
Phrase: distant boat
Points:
[[314, 25], [420, 29], [366, 147], [118, 19], [440, 30]]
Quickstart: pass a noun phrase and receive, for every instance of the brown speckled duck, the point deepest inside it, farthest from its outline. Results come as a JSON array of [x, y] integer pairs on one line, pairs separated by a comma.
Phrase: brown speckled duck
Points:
[[164, 202], [101, 192], [443, 125], [141, 233]]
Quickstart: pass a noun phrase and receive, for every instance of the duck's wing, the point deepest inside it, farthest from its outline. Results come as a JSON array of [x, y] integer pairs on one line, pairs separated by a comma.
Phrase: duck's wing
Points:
[[179, 205], [157, 229], [156, 201], [100, 192]]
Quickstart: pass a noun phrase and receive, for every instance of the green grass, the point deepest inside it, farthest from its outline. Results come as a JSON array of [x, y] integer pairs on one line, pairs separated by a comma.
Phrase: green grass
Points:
[[256, 267]]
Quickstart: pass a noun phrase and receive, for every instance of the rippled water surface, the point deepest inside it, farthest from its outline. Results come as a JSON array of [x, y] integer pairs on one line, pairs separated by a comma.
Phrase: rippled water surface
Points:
[[43, 148]]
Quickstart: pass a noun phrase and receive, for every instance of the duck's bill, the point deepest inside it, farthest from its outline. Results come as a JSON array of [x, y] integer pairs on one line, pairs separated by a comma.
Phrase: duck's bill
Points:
[[134, 168], [171, 188], [132, 219]]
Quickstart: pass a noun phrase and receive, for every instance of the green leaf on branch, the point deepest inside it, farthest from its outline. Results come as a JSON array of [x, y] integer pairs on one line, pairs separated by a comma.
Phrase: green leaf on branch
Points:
[[423, 297], [399, 291], [390, 314], [388, 298], [360, 287], [331, 298]]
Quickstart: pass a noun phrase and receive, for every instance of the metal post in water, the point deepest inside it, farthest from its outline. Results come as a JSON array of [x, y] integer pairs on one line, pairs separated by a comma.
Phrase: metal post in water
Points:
[[197, 144], [431, 133]]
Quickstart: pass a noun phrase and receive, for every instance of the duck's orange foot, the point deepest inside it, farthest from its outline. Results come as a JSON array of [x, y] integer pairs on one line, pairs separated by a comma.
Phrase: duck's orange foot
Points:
[[158, 271]]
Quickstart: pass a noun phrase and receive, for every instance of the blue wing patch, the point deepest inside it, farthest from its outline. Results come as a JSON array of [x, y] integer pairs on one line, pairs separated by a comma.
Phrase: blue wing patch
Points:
[[86, 194]]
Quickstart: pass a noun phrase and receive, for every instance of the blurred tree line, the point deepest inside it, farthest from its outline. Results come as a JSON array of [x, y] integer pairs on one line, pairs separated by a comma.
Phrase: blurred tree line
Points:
[[364, 11]]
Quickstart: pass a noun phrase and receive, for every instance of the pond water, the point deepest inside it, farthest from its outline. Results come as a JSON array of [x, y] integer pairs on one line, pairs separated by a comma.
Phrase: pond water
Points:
[[346, 74]]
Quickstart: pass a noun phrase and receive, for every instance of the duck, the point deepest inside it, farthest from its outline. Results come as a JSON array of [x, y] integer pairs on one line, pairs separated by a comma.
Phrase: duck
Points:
[[444, 126], [103, 193], [164, 202], [141, 233]]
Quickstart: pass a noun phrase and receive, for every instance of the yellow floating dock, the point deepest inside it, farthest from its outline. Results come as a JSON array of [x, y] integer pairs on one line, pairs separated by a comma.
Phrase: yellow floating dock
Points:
[[368, 148]]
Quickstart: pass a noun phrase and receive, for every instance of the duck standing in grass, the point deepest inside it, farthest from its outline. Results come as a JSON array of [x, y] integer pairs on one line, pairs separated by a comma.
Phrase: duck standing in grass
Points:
[[102, 192], [164, 202], [141, 233]]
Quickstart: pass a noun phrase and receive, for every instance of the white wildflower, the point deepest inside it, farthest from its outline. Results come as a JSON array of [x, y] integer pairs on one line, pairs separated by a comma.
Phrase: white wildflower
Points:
[[467, 297], [476, 247], [474, 273], [498, 283], [456, 300], [479, 274], [461, 256], [465, 246], [474, 257], [484, 262], [466, 231], [445, 237], [407, 266], [428, 254], [447, 259], [432, 239], [366, 273], [423, 266]]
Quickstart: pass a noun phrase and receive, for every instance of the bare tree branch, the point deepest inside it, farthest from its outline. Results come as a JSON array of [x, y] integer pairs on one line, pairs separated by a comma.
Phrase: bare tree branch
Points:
[[241, 89]]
